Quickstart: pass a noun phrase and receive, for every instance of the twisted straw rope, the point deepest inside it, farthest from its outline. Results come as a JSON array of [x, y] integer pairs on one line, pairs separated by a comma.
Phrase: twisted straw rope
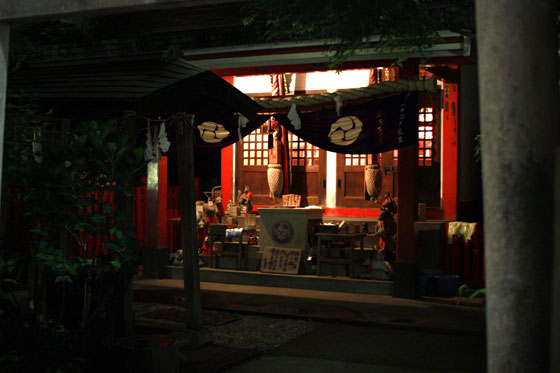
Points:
[[429, 85]]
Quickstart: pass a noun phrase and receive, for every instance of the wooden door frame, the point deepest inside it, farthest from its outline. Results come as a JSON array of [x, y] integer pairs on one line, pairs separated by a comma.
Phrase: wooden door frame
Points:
[[322, 176]]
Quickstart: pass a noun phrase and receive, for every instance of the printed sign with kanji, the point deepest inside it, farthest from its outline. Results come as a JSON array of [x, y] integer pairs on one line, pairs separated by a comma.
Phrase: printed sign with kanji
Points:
[[281, 260]]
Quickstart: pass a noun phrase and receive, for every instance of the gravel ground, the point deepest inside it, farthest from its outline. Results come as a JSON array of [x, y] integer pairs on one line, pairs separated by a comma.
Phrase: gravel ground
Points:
[[230, 329]]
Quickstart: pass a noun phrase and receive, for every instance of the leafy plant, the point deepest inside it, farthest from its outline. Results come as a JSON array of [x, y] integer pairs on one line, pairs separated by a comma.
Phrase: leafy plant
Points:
[[477, 148], [73, 191], [465, 291], [402, 25]]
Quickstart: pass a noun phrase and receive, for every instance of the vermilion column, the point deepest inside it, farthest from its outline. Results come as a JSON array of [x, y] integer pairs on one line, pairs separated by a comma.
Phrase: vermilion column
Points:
[[227, 174], [449, 146]]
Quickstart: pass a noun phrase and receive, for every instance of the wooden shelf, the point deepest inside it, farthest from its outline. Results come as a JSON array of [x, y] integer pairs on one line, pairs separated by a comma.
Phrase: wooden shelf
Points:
[[336, 260]]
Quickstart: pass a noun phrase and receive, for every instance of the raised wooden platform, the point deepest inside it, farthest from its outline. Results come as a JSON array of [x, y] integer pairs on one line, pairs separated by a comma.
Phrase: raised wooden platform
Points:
[[308, 282]]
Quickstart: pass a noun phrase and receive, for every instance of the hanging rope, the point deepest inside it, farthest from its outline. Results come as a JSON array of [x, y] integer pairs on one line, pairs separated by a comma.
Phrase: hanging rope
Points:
[[429, 85]]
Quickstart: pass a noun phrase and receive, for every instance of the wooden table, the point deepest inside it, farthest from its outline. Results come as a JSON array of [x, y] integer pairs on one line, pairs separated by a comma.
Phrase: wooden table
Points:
[[217, 232], [344, 237]]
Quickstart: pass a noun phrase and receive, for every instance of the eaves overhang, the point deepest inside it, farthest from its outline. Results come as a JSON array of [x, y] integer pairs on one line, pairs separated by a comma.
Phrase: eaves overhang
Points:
[[314, 52]]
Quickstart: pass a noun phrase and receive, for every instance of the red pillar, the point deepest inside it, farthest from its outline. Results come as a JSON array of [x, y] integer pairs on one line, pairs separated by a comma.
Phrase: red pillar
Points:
[[227, 165], [162, 203], [227, 174], [450, 140]]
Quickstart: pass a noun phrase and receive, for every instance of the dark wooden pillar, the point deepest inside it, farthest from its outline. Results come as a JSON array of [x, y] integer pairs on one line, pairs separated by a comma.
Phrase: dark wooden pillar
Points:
[[4, 43], [405, 270], [407, 191], [407, 204], [189, 243]]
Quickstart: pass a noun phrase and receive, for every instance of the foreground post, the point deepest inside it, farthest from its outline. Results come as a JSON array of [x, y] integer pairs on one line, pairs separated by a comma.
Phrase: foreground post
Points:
[[4, 43], [518, 64], [185, 170]]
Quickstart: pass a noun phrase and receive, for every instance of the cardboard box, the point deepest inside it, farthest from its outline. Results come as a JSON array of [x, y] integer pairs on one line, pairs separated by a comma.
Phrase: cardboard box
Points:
[[234, 211], [250, 220]]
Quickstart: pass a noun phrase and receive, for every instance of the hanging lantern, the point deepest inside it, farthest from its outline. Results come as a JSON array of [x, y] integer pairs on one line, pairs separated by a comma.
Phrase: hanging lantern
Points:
[[372, 175], [275, 179]]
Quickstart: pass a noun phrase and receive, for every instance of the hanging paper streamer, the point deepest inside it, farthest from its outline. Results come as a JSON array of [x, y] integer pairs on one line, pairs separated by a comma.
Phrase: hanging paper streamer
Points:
[[241, 123], [156, 144], [148, 152], [293, 116], [36, 146], [338, 100], [242, 120], [164, 143], [239, 134]]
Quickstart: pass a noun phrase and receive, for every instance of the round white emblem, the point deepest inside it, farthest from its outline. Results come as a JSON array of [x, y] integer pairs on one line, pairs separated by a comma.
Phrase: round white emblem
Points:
[[212, 132], [345, 130], [282, 231]]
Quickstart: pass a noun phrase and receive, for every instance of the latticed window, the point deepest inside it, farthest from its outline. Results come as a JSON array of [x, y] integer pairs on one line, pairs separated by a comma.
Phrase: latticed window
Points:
[[425, 136], [302, 153], [255, 148], [355, 159], [362, 159]]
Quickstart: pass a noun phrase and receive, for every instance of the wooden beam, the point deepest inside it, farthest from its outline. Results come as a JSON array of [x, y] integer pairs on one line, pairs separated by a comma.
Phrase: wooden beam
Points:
[[33, 10], [447, 73], [189, 243], [4, 43]]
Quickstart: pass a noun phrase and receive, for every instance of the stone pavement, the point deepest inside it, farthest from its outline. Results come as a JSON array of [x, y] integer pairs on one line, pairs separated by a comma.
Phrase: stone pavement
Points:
[[430, 314], [358, 332], [342, 347]]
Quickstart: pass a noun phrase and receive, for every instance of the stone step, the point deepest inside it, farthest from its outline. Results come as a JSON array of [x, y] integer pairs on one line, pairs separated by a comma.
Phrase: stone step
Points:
[[308, 282]]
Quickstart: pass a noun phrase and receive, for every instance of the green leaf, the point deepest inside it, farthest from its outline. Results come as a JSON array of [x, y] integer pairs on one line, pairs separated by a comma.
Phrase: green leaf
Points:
[[8, 282], [63, 279], [475, 293], [460, 291], [117, 233], [113, 247], [116, 264], [112, 147], [98, 219], [120, 153], [138, 153], [107, 207]]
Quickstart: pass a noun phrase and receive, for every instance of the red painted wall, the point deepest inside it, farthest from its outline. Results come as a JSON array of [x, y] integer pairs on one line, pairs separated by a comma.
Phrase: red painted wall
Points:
[[357, 212], [162, 203], [227, 174], [227, 163], [450, 137], [344, 212]]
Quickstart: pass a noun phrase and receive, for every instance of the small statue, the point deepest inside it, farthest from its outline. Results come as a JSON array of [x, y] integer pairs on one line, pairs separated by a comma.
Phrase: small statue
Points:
[[244, 200], [387, 242], [201, 231], [218, 202]]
